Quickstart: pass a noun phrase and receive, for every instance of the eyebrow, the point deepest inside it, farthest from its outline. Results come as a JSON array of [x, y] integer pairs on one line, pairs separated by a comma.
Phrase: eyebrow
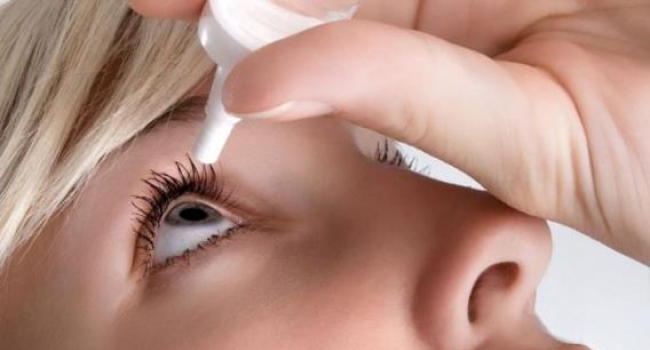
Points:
[[187, 110]]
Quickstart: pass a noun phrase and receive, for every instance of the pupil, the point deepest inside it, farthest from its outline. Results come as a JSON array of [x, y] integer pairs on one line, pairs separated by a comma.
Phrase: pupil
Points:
[[193, 214]]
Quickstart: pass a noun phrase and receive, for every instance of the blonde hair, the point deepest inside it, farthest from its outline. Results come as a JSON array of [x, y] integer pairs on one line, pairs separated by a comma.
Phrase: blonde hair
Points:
[[78, 79]]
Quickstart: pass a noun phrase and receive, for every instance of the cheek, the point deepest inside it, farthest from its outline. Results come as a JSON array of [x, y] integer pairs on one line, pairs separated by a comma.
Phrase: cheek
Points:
[[256, 290], [92, 248], [85, 256], [69, 283]]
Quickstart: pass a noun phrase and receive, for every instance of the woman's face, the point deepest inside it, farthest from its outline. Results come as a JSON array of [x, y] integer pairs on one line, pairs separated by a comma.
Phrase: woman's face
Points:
[[317, 247]]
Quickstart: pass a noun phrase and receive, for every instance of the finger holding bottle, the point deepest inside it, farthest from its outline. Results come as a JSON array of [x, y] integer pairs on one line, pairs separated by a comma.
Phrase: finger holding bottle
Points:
[[533, 125]]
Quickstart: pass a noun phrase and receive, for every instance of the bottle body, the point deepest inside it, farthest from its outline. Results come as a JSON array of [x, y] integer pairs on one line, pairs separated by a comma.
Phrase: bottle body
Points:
[[230, 29]]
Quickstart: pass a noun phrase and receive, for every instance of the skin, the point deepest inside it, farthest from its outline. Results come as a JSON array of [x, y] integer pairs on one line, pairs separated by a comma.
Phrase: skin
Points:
[[543, 102], [341, 262]]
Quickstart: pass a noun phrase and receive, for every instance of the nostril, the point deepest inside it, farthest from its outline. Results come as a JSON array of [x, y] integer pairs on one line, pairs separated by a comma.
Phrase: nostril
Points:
[[493, 281]]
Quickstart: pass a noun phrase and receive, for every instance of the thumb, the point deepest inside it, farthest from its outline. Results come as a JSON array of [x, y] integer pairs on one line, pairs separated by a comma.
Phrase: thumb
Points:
[[490, 119]]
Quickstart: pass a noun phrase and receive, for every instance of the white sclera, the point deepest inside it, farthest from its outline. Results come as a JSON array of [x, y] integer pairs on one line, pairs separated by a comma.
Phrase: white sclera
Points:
[[174, 240]]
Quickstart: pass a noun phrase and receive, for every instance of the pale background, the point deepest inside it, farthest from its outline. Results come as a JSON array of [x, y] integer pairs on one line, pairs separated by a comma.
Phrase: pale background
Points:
[[591, 294]]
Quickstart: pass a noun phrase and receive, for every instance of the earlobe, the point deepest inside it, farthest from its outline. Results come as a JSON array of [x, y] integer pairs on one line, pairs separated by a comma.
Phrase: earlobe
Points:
[[177, 9]]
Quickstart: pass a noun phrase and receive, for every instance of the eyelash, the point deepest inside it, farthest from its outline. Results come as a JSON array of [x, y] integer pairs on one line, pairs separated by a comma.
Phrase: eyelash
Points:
[[164, 189], [396, 158]]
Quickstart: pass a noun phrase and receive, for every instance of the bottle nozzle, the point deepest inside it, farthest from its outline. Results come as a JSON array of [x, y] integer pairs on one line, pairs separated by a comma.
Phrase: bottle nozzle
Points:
[[218, 124]]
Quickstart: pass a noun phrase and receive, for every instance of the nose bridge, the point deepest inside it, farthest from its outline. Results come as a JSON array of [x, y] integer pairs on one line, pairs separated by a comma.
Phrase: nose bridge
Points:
[[405, 202], [403, 209], [404, 212]]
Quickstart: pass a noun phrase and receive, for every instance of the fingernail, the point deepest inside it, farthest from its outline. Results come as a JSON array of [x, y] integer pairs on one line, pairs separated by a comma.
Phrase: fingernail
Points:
[[292, 110]]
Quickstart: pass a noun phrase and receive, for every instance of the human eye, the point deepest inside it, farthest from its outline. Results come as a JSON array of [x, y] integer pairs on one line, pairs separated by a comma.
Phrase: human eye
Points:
[[189, 224], [182, 214]]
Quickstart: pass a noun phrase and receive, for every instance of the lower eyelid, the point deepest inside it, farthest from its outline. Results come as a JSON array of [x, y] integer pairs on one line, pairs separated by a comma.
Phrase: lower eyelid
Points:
[[173, 239], [206, 252], [245, 224]]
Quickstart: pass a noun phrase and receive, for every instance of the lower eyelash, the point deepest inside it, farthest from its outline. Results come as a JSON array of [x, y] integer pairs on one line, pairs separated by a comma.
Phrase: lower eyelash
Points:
[[215, 240]]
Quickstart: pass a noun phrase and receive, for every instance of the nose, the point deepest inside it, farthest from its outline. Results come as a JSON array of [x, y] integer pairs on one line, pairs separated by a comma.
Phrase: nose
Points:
[[478, 263]]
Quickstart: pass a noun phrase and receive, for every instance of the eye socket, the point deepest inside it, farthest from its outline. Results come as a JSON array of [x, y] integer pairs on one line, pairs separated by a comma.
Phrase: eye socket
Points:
[[188, 226]]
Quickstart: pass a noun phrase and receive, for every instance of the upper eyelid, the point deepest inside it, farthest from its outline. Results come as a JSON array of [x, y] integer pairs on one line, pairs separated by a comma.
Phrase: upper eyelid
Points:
[[229, 196], [206, 181], [228, 208]]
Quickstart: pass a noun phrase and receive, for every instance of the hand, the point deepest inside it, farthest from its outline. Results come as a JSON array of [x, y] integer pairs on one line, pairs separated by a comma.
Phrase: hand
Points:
[[545, 103]]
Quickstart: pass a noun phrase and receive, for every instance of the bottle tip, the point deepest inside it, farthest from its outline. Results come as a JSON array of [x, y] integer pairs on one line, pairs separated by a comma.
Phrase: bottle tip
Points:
[[211, 143]]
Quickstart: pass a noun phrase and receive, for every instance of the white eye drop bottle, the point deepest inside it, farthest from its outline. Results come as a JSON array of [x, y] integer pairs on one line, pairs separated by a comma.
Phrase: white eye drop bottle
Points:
[[231, 29]]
